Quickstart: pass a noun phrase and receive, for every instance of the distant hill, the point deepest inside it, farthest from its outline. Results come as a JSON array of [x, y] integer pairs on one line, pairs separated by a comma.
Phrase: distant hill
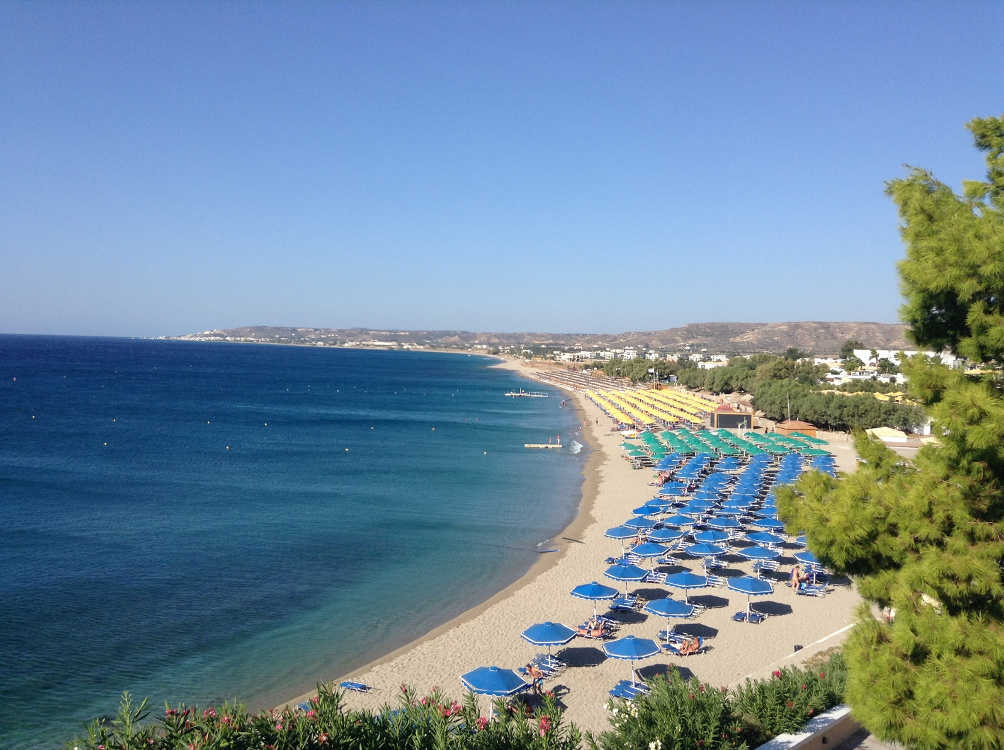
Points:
[[741, 338]]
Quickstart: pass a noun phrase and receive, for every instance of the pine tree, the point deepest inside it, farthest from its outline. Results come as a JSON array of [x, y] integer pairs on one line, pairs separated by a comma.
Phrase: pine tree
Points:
[[925, 542]]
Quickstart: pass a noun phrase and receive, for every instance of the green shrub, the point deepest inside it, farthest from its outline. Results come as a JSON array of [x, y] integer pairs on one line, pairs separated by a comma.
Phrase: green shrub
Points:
[[431, 722], [678, 714], [790, 698]]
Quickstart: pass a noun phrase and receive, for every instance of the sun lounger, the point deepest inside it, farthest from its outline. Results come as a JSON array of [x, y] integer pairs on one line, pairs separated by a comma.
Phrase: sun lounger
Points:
[[713, 563], [761, 565], [628, 691], [715, 580], [754, 617], [655, 577], [358, 687], [674, 646], [805, 590], [624, 604]]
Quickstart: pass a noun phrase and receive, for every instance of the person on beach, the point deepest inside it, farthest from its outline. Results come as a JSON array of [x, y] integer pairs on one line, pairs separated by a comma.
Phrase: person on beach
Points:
[[536, 677], [690, 646], [798, 578]]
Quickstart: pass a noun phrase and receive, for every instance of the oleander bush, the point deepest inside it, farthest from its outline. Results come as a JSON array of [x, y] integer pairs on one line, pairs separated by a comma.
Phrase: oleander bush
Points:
[[784, 703], [679, 714], [432, 722]]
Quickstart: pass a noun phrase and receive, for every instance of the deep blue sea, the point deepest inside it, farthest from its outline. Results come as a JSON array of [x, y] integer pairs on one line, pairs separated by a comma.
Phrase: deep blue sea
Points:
[[200, 522]]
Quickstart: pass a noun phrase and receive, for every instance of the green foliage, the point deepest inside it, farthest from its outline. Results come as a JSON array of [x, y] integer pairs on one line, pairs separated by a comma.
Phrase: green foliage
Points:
[[678, 714], [430, 722], [852, 363], [926, 541], [833, 411], [953, 273], [744, 374], [848, 348], [869, 386], [793, 696], [638, 369], [887, 367]]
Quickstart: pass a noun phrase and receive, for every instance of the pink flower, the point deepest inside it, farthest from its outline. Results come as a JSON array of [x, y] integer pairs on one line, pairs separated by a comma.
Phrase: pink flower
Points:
[[310, 714], [278, 726], [701, 688], [822, 675], [776, 673], [790, 704], [210, 713], [425, 701], [404, 688], [482, 722], [691, 696], [804, 686], [323, 739], [545, 725]]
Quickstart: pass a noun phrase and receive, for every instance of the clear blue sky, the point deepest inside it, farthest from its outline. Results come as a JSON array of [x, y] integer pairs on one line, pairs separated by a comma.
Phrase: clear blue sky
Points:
[[514, 166]]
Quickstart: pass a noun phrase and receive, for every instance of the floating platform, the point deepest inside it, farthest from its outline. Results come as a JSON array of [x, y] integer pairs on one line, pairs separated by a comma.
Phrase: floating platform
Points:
[[528, 394], [541, 445]]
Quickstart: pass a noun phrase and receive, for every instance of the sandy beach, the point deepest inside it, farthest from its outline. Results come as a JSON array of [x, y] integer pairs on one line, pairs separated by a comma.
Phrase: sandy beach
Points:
[[490, 633]]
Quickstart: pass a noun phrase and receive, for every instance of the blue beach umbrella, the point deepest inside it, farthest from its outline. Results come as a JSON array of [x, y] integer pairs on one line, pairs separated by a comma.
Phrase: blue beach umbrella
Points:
[[724, 524], [640, 523], [705, 550], [621, 533], [764, 537], [759, 553], [594, 592], [771, 524], [669, 608], [806, 558], [625, 573], [672, 489], [712, 536], [548, 634], [649, 549], [800, 540], [493, 681], [631, 648], [686, 580], [664, 535], [751, 587], [678, 520]]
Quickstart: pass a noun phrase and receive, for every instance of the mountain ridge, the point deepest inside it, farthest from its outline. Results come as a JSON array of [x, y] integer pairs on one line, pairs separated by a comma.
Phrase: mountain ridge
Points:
[[815, 337]]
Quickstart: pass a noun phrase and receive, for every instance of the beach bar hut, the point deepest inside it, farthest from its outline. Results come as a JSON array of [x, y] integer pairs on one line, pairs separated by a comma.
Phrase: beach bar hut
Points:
[[791, 426]]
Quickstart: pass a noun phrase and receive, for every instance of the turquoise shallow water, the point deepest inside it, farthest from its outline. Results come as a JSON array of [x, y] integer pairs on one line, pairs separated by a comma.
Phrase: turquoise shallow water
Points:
[[138, 552]]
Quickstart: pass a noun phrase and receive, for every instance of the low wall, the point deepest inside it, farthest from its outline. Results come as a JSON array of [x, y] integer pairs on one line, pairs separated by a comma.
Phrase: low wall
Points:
[[824, 731]]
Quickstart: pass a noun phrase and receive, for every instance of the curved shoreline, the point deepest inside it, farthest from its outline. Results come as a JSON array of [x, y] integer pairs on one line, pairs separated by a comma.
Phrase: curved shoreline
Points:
[[489, 633], [581, 519]]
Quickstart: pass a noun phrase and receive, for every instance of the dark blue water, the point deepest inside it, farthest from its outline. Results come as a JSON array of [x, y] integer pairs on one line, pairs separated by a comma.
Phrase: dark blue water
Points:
[[201, 522]]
